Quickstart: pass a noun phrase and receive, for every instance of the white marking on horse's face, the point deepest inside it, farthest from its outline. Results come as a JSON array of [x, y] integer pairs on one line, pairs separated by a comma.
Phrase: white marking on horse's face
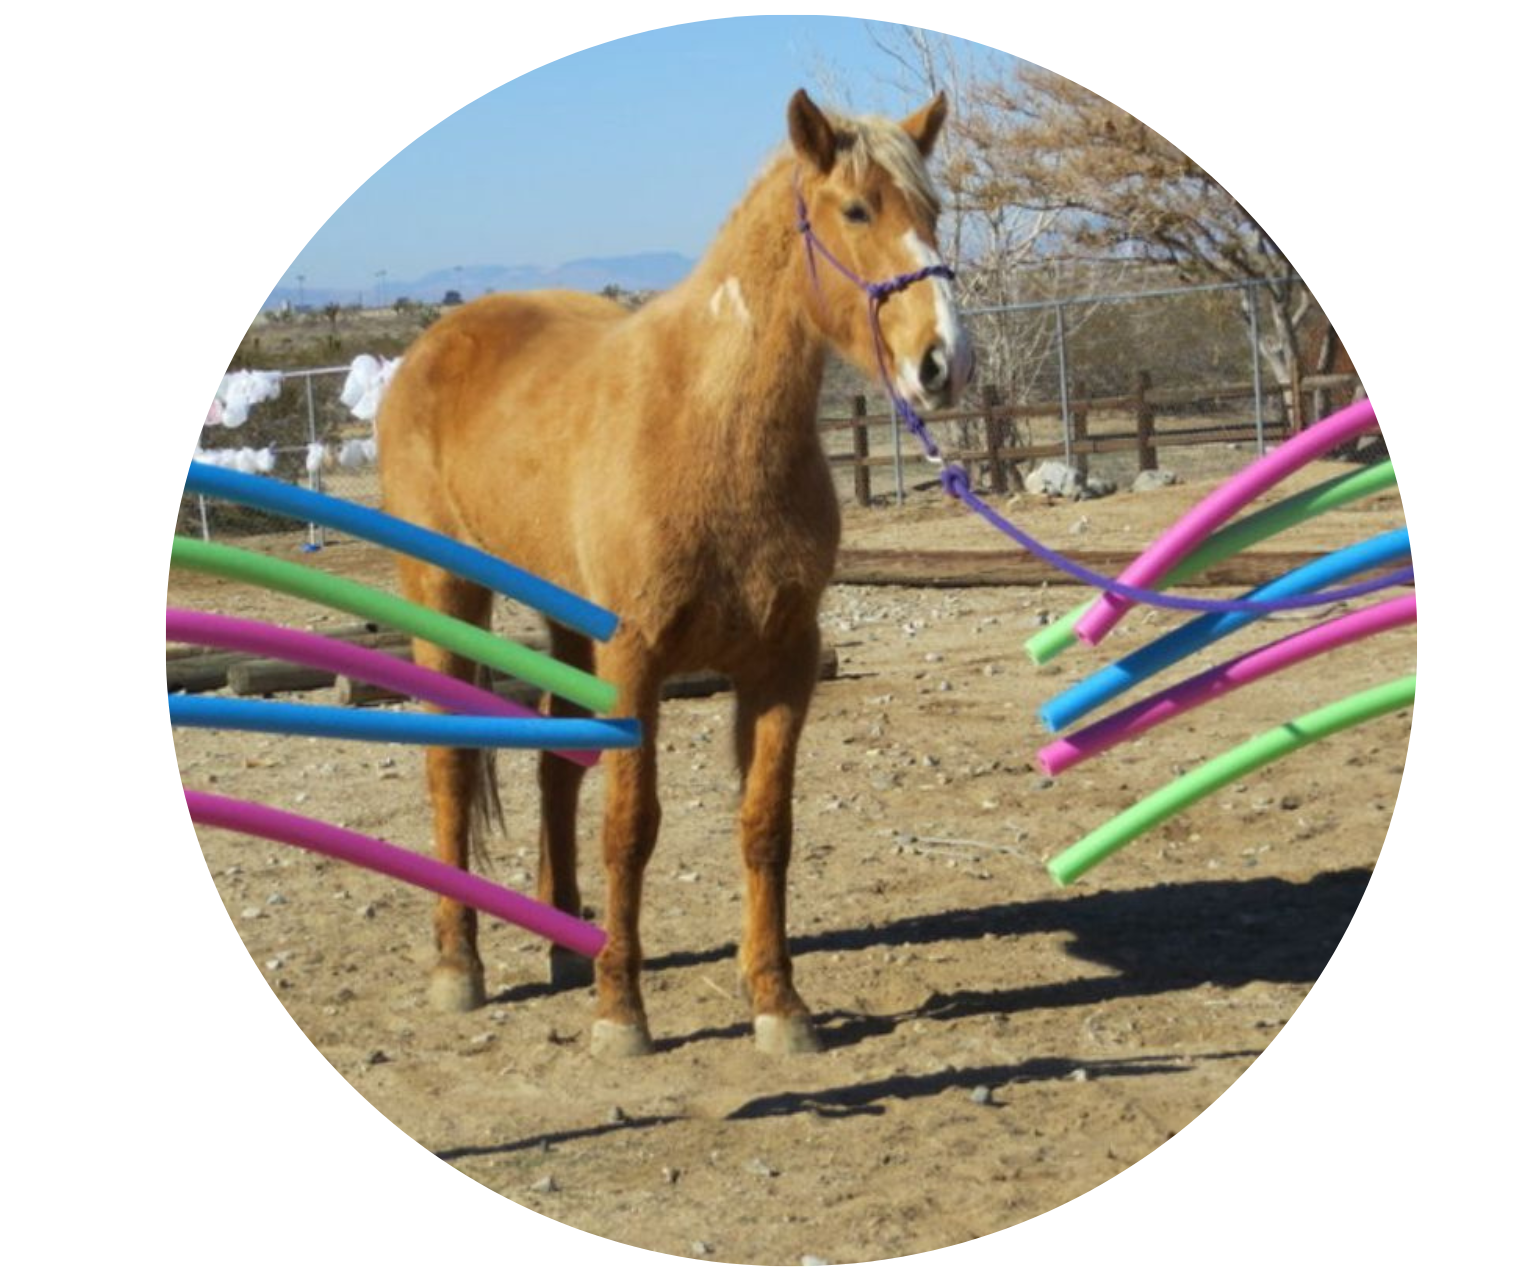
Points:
[[956, 343], [729, 296]]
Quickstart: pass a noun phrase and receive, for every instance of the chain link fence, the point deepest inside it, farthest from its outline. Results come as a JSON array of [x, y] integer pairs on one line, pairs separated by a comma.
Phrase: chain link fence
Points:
[[306, 423]]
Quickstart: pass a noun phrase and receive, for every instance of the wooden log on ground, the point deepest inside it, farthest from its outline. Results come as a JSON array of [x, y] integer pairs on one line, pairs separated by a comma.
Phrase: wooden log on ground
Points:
[[948, 569], [349, 693], [275, 676], [197, 673]]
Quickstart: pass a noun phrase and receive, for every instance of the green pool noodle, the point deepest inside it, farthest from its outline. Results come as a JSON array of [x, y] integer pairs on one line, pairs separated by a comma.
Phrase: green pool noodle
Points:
[[393, 611], [1182, 792]]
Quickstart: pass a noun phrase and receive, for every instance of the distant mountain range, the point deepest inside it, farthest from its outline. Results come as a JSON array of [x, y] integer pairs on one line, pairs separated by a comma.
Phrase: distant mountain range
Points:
[[631, 273]]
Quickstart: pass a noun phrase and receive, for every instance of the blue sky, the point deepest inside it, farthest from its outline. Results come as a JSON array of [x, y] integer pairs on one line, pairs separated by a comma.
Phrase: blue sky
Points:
[[642, 144]]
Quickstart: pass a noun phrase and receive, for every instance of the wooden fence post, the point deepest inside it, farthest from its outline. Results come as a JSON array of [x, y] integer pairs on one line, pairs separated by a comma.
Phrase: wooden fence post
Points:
[[861, 432], [994, 424], [1080, 450], [1145, 423]]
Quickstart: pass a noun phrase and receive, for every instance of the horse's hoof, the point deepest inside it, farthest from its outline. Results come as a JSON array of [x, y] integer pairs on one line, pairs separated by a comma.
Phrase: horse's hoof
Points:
[[620, 1040], [454, 991], [785, 1034], [567, 970]]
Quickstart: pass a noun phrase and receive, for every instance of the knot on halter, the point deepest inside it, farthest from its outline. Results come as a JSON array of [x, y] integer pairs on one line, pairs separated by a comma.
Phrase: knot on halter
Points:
[[954, 480]]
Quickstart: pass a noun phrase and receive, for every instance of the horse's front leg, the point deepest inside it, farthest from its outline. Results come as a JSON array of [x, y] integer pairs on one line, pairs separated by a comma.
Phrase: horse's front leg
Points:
[[771, 712], [632, 815]]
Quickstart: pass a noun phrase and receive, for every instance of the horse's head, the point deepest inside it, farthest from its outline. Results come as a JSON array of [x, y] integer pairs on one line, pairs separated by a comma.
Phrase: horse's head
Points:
[[877, 285]]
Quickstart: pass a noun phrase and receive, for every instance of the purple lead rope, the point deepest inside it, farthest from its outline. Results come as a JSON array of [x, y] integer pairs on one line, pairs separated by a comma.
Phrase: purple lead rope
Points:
[[957, 483]]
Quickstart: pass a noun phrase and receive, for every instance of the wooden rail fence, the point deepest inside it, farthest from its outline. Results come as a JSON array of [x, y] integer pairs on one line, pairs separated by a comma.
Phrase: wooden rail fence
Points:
[[1143, 407]]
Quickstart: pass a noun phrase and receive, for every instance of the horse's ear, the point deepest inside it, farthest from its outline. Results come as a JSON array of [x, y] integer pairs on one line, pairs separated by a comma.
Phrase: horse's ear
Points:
[[812, 134], [923, 126]]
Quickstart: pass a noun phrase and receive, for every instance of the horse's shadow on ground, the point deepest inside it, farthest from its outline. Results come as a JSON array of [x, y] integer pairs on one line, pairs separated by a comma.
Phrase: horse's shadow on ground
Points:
[[1158, 939]]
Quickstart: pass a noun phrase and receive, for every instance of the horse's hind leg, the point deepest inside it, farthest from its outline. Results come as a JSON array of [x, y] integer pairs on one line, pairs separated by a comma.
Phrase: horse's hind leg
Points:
[[457, 790], [560, 780], [771, 711]]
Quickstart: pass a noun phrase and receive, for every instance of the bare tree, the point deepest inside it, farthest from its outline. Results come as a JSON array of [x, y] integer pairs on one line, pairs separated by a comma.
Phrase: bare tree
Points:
[[1005, 250], [1116, 190]]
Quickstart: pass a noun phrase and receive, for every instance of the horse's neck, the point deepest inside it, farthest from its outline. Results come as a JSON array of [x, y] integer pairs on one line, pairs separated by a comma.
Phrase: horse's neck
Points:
[[757, 360]]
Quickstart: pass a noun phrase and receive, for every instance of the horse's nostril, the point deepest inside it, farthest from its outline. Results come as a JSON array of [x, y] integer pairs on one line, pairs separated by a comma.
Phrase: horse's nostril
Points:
[[934, 372]]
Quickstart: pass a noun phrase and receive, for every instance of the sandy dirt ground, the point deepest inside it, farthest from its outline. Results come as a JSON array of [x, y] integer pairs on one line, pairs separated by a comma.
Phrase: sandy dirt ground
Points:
[[995, 1046]]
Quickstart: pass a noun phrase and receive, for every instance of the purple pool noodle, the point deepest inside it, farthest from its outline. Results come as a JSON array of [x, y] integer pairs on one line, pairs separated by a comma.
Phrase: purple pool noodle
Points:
[[1242, 670], [403, 865], [354, 661], [1218, 507]]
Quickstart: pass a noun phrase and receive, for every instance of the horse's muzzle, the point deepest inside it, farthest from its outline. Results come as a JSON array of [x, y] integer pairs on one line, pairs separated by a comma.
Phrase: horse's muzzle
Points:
[[943, 373]]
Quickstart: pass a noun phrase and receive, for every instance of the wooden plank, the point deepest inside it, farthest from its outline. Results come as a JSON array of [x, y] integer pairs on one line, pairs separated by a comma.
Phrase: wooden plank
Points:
[[1103, 443], [948, 569]]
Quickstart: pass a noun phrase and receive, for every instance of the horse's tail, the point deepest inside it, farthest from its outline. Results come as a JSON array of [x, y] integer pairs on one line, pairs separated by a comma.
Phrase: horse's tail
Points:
[[487, 810]]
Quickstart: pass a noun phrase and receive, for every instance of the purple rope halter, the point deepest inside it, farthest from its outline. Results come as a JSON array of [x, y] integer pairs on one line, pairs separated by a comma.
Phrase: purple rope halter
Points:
[[876, 292], [957, 483]]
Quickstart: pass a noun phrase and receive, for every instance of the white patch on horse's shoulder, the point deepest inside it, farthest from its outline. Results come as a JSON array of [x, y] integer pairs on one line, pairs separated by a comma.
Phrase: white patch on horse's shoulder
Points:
[[729, 294]]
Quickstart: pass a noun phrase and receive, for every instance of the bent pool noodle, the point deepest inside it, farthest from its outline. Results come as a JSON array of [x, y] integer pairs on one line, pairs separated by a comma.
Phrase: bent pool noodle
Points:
[[419, 729], [403, 865], [393, 611], [1182, 792], [403, 536], [346, 659], [1057, 637], [1150, 712], [958, 485], [1219, 506], [1110, 682]]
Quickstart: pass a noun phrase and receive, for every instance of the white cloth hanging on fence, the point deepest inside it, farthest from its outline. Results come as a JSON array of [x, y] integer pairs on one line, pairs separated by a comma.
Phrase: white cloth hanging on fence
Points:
[[241, 391], [367, 380], [245, 460], [318, 457], [358, 453]]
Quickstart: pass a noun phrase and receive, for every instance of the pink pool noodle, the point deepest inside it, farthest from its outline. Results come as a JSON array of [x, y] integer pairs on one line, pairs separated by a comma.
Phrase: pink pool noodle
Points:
[[1218, 507], [401, 864], [1243, 670], [354, 661]]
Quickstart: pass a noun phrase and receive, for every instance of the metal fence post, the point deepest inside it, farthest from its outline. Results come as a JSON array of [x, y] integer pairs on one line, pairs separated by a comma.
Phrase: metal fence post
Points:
[[315, 534], [1254, 304], [1066, 403]]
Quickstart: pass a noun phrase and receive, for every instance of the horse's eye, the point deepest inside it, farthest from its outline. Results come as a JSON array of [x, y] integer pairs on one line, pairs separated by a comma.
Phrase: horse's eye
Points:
[[857, 212]]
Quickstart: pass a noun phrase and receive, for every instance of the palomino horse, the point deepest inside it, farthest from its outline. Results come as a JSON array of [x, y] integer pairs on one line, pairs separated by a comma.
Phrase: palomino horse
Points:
[[666, 463]]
